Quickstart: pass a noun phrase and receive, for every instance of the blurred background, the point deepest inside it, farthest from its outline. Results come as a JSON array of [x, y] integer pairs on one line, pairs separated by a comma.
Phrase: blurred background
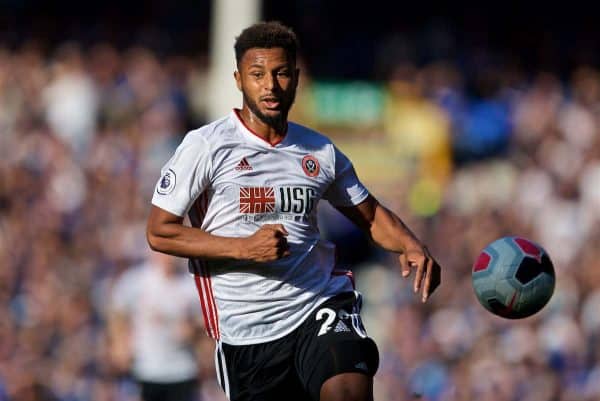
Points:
[[470, 121]]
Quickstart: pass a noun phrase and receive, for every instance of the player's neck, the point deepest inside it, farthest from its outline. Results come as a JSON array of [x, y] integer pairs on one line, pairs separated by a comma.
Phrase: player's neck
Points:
[[272, 133]]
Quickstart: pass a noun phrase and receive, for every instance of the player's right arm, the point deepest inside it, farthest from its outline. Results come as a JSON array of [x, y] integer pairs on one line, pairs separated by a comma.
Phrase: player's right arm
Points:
[[184, 178], [166, 233]]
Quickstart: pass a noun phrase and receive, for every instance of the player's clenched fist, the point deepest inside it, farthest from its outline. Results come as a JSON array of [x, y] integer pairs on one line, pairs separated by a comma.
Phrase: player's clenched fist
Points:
[[267, 244]]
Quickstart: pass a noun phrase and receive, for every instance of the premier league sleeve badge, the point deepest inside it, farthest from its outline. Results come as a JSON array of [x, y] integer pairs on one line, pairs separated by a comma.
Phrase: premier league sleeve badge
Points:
[[167, 183]]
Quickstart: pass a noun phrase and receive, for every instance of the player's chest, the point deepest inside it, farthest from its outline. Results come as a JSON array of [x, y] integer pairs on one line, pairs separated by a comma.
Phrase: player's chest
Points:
[[266, 181], [257, 167]]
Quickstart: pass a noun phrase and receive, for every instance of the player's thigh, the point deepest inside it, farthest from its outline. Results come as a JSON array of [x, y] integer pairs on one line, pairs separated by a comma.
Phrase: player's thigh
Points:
[[348, 387], [333, 342], [260, 372]]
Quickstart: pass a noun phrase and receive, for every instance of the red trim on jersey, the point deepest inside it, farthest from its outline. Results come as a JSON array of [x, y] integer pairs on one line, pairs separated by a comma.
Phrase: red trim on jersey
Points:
[[207, 324], [207, 302], [212, 303], [200, 207], [202, 280], [237, 113]]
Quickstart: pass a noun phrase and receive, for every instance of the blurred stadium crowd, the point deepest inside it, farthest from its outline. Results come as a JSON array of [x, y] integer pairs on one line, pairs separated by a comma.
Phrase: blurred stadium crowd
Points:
[[84, 132]]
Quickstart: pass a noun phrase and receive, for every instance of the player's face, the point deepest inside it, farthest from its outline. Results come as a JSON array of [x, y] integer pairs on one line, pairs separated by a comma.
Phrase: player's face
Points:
[[268, 79]]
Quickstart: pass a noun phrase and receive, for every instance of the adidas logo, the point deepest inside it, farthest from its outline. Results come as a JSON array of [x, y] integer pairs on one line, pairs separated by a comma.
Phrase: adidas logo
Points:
[[340, 326], [243, 165]]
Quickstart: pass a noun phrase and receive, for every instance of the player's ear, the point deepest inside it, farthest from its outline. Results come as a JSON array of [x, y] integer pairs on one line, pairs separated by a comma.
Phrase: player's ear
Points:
[[238, 79]]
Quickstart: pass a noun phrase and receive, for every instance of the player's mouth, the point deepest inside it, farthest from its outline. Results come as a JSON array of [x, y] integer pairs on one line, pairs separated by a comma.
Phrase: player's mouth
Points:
[[271, 103]]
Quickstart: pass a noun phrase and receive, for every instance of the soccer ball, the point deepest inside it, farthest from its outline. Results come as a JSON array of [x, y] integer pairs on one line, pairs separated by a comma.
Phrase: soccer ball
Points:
[[513, 277]]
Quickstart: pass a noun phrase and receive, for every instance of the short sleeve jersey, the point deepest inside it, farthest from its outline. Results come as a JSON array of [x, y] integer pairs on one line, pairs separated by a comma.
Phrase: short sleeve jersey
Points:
[[230, 182], [160, 353]]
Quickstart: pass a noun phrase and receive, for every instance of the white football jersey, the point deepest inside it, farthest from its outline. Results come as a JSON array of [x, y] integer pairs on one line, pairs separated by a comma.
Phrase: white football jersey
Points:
[[160, 354], [230, 181]]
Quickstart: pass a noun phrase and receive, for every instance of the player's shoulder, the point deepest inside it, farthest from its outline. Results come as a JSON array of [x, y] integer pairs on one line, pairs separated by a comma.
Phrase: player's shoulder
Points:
[[211, 133], [308, 135]]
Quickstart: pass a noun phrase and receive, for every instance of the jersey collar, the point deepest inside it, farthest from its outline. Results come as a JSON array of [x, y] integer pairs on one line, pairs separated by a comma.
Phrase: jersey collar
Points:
[[253, 135]]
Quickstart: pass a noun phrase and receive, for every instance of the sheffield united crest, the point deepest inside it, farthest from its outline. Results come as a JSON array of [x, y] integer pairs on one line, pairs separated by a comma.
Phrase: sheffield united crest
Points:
[[310, 165]]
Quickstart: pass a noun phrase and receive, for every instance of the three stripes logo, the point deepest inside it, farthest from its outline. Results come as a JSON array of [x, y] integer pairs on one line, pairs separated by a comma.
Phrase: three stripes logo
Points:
[[340, 327], [243, 165]]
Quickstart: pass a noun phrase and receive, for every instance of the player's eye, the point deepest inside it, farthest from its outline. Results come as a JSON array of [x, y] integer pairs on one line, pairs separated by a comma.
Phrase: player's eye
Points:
[[257, 74]]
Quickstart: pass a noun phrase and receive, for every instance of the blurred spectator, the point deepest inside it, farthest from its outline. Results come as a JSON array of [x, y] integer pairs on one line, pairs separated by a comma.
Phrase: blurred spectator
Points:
[[153, 326], [418, 130], [485, 128], [71, 100], [418, 134]]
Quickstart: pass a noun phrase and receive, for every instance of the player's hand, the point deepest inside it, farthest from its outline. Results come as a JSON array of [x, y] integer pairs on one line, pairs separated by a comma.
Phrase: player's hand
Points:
[[428, 271], [267, 244]]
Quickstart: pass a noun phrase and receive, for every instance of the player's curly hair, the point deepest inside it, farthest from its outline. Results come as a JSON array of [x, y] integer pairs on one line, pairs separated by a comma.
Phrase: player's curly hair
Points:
[[266, 35]]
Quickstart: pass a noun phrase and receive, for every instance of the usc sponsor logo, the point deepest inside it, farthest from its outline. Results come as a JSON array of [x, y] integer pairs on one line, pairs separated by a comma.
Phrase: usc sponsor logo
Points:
[[284, 200], [297, 200]]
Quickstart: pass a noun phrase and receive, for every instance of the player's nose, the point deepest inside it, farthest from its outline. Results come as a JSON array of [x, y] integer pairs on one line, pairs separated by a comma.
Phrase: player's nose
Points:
[[271, 84]]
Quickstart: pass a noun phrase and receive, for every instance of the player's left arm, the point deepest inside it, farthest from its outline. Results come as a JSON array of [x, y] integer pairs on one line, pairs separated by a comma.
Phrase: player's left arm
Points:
[[388, 231]]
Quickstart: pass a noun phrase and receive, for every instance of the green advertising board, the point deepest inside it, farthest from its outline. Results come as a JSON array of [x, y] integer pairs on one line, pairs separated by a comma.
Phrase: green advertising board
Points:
[[347, 103]]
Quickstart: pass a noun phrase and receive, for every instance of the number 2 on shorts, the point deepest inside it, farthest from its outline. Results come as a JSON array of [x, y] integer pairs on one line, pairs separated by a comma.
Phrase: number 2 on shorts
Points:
[[326, 326]]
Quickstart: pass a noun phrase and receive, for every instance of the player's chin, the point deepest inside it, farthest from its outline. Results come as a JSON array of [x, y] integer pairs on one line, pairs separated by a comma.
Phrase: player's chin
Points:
[[271, 114]]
